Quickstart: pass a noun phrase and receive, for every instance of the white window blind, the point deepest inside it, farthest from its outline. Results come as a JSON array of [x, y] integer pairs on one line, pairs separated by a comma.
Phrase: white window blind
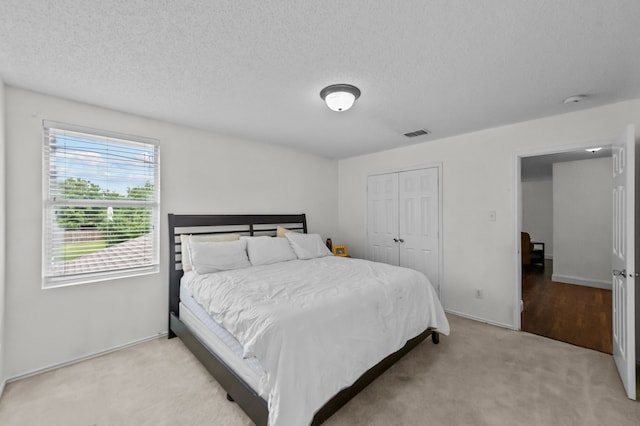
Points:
[[101, 205]]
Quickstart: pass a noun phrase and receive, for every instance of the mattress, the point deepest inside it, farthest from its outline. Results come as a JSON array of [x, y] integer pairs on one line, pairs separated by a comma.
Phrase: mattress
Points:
[[219, 340]]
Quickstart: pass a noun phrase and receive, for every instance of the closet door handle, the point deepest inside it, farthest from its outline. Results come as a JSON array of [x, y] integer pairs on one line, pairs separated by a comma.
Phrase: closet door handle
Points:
[[401, 240], [395, 240]]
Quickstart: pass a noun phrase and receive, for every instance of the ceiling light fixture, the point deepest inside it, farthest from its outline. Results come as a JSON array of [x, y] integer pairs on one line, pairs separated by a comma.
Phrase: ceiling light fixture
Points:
[[574, 99], [593, 150], [340, 97]]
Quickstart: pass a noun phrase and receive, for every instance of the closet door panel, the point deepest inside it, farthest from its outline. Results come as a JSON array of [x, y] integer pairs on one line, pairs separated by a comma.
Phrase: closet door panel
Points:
[[418, 222], [382, 220]]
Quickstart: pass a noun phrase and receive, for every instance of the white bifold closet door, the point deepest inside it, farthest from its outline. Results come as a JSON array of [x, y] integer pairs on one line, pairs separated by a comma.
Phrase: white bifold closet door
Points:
[[403, 220], [382, 220]]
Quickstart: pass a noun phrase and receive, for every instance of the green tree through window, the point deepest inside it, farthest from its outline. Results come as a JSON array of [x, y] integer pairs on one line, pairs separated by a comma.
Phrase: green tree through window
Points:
[[117, 224]]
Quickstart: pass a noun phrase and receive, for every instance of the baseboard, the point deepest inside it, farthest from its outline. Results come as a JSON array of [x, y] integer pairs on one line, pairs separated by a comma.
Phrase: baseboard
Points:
[[568, 279], [84, 358], [479, 319]]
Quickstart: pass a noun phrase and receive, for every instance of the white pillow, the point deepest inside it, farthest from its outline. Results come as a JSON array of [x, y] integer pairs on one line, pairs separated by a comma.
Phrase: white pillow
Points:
[[185, 242], [307, 246], [268, 250], [208, 257]]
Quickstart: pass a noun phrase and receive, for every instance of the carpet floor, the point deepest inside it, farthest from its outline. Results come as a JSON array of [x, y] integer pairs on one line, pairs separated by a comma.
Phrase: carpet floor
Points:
[[480, 375]]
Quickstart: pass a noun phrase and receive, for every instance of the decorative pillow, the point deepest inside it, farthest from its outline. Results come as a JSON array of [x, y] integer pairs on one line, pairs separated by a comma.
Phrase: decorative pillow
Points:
[[268, 250], [185, 241], [307, 246], [281, 232], [209, 257]]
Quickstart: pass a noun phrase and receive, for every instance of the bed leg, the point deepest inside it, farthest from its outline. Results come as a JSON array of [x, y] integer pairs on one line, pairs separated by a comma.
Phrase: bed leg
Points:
[[229, 398], [435, 337]]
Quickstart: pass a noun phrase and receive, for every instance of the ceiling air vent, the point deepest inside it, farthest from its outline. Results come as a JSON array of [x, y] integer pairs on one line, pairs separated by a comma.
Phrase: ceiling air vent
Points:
[[417, 133]]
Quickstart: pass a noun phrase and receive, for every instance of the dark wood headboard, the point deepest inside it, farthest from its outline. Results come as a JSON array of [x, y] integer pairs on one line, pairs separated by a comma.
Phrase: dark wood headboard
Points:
[[251, 225]]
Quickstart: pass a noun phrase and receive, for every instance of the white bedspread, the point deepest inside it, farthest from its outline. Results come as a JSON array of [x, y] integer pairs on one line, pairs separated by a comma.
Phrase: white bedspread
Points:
[[317, 325]]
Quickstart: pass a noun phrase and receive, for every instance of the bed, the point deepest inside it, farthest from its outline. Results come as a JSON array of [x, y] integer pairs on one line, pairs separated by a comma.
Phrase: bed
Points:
[[243, 364]]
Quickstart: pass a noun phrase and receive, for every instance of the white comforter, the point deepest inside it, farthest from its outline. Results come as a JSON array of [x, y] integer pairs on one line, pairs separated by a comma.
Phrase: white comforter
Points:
[[317, 325]]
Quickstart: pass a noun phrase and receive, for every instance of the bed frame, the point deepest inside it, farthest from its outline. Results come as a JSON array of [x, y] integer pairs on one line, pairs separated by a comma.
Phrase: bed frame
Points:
[[237, 389]]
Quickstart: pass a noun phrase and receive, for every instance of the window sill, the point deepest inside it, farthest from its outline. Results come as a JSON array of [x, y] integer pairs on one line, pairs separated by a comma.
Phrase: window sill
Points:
[[57, 282]]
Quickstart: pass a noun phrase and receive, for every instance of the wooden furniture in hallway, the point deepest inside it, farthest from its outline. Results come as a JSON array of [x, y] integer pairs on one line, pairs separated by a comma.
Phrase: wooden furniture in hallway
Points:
[[574, 314], [532, 252]]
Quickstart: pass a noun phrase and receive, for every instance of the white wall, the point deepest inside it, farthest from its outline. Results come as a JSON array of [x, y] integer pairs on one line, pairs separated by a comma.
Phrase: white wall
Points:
[[478, 176], [200, 173], [637, 262], [537, 212], [582, 227], [2, 236]]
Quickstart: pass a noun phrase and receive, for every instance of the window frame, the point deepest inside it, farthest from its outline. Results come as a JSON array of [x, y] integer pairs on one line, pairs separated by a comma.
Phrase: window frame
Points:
[[49, 205]]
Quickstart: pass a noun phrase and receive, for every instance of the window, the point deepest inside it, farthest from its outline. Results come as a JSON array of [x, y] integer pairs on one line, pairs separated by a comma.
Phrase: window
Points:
[[101, 205]]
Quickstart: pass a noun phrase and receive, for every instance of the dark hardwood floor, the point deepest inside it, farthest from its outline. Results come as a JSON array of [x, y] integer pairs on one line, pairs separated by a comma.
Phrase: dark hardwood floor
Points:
[[571, 313]]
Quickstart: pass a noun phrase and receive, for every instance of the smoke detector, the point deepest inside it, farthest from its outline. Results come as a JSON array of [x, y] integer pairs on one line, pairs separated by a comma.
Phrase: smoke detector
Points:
[[574, 99]]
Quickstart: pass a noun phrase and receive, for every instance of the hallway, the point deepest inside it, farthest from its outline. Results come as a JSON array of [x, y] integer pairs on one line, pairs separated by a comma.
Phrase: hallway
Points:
[[574, 314]]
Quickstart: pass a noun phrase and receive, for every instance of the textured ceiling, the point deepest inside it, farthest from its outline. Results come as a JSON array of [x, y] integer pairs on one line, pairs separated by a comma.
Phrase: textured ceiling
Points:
[[254, 68]]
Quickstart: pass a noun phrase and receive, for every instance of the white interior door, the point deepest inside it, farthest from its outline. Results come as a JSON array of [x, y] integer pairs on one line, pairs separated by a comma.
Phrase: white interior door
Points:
[[382, 220], [623, 259], [418, 216]]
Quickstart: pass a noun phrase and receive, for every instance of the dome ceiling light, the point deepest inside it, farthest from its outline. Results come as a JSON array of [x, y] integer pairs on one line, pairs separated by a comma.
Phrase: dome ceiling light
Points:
[[340, 97]]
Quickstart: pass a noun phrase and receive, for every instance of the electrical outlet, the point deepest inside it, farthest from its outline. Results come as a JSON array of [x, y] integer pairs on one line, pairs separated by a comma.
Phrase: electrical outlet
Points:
[[479, 293]]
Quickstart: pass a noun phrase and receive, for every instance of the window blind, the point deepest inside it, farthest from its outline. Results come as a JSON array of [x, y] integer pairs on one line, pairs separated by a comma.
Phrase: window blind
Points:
[[101, 205]]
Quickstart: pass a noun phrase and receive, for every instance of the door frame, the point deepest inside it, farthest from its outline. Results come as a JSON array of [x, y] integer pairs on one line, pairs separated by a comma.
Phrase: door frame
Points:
[[438, 166], [518, 156]]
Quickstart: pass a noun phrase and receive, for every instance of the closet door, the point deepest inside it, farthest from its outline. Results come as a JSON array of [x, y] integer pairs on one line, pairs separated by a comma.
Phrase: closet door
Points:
[[382, 218], [419, 222]]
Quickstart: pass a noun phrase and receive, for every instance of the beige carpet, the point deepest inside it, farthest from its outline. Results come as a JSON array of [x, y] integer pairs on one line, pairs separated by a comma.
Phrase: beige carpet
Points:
[[480, 375]]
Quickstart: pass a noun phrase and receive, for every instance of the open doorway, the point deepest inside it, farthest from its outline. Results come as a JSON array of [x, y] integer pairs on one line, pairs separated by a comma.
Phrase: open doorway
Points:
[[565, 227]]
